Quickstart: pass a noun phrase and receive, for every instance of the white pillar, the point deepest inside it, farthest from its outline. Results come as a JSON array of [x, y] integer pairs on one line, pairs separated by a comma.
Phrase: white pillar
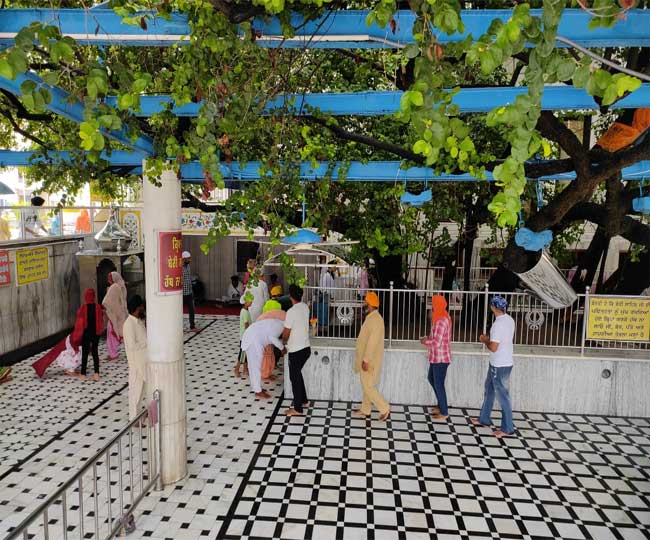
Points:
[[162, 212]]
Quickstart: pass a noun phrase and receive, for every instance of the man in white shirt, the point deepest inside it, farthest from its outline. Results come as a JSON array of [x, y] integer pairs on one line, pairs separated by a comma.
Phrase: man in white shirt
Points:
[[135, 345], [296, 336], [235, 290], [260, 294], [500, 345], [33, 224], [257, 336]]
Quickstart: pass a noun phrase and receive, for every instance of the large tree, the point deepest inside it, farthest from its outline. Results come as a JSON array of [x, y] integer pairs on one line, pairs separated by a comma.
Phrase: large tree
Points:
[[234, 78]]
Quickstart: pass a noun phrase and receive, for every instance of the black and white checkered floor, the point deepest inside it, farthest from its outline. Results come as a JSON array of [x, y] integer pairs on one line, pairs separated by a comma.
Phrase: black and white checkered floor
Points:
[[253, 473]]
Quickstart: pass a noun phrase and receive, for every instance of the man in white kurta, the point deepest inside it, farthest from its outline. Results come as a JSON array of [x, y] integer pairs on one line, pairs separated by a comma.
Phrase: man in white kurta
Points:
[[257, 336], [135, 345], [260, 294]]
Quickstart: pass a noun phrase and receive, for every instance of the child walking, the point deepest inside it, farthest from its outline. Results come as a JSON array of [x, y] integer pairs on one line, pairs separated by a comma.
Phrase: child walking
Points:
[[245, 321]]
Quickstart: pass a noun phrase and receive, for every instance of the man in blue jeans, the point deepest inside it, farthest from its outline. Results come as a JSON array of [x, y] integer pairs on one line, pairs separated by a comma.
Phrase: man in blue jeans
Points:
[[500, 345]]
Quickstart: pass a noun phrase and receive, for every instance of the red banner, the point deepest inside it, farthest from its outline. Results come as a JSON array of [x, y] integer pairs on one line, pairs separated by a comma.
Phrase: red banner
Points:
[[170, 263], [5, 270]]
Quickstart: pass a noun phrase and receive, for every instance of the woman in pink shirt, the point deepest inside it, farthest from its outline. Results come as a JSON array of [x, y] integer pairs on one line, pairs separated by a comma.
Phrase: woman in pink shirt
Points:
[[438, 343]]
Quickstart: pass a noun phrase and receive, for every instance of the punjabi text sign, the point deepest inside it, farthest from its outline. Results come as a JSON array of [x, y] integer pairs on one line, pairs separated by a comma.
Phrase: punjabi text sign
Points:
[[619, 319], [32, 265], [5, 269], [170, 263]]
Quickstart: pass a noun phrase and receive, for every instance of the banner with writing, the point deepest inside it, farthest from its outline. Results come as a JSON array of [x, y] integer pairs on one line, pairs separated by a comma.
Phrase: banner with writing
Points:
[[619, 319], [170, 263], [5, 269], [32, 265]]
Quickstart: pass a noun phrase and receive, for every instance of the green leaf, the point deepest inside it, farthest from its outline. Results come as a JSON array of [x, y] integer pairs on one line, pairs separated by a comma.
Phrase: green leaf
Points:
[[27, 87], [581, 76], [625, 83], [422, 147], [125, 101], [411, 51], [7, 70], [416, 98], [566, 69], [18, 59], [610, 95]]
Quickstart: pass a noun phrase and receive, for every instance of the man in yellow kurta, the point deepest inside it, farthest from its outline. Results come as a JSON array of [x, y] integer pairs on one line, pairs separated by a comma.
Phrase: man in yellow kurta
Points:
[[369, 356], [135, 345]]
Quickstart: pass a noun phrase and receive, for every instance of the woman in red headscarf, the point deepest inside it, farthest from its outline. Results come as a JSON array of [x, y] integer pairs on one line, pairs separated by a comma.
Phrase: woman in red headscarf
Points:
[[439, 345], [66, 349], [87, 329]]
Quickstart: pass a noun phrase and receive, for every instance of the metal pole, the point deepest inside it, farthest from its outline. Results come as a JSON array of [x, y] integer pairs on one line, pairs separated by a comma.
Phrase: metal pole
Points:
[[485, 308], [159, 483], [81, 508], [585, 318], [390, 316]]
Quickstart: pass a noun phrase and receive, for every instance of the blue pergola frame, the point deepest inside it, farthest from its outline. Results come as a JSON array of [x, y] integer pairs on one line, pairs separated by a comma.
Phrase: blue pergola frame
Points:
[[374, 171], [336, 29]]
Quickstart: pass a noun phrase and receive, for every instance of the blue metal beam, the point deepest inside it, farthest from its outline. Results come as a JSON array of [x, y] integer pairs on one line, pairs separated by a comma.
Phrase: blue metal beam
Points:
[[67, 106], [469, 100], [335, 29], [374, 171], [22, 158]]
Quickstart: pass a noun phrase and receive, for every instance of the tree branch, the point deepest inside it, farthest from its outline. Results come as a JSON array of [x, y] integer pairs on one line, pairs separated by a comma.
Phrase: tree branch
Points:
[[552, 128], [346, 135], [21, 111], [7, 114]]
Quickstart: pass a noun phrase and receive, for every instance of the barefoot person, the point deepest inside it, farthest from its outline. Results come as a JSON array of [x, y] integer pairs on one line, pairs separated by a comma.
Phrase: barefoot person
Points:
[[255, 338], [369, 356], [135, 345], [439, 347], [296, 336], [116, 311], [500, 345], [89, 325]]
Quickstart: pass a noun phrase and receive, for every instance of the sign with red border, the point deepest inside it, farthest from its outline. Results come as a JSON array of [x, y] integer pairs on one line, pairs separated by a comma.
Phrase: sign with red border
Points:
[[170, 263], [5, 268]]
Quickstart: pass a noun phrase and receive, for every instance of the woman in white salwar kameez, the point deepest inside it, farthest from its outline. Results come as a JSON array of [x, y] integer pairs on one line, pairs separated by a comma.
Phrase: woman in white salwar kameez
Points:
[[135, 345]]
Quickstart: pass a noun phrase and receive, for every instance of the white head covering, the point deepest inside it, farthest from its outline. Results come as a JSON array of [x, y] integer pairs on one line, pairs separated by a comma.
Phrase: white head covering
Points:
[[186, 254]]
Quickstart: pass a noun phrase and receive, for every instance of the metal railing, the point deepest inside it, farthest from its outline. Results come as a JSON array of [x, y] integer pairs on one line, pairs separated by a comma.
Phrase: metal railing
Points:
[[407, 316], [30, 222], [64, 513]]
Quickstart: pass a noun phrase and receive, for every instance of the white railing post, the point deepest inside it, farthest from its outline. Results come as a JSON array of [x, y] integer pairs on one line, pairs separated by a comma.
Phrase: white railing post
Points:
[[390, 316], [485, 307], [158, 432], [22, 223], [585, 319]]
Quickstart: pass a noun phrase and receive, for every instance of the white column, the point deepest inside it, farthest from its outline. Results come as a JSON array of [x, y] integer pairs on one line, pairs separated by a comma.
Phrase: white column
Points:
[[162, 212]]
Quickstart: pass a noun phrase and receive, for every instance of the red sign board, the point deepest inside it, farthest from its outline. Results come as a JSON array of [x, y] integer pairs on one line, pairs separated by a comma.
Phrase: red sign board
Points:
[[5, 270], [170, 263]]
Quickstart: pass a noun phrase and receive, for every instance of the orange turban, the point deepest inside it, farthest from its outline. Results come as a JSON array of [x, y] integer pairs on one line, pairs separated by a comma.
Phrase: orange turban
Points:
[[372, 299], [438, 308]]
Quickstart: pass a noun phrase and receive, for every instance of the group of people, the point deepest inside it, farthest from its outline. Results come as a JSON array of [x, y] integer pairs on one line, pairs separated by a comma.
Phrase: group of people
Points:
[[124, 324], [262, 330], [499, 343], [274, 333]]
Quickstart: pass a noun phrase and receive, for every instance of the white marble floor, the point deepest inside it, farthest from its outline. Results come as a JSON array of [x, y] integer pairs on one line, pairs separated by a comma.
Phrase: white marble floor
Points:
[[255, 474]]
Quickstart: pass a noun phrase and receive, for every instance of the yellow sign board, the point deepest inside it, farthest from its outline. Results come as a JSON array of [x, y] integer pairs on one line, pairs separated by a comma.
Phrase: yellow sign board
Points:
[[619, 319], [32, 265]]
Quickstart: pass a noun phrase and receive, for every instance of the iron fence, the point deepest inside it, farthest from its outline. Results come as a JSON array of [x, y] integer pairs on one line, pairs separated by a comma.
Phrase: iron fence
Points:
[[338, 313], [99, 500], [30, 222]]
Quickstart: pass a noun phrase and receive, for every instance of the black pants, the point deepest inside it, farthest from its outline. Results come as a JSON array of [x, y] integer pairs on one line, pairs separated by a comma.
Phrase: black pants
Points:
[[297, 361], [188, 300], [89, 343]]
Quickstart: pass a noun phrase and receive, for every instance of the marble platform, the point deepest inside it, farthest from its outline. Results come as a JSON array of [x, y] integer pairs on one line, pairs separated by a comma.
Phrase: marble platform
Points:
[[611, 384]]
